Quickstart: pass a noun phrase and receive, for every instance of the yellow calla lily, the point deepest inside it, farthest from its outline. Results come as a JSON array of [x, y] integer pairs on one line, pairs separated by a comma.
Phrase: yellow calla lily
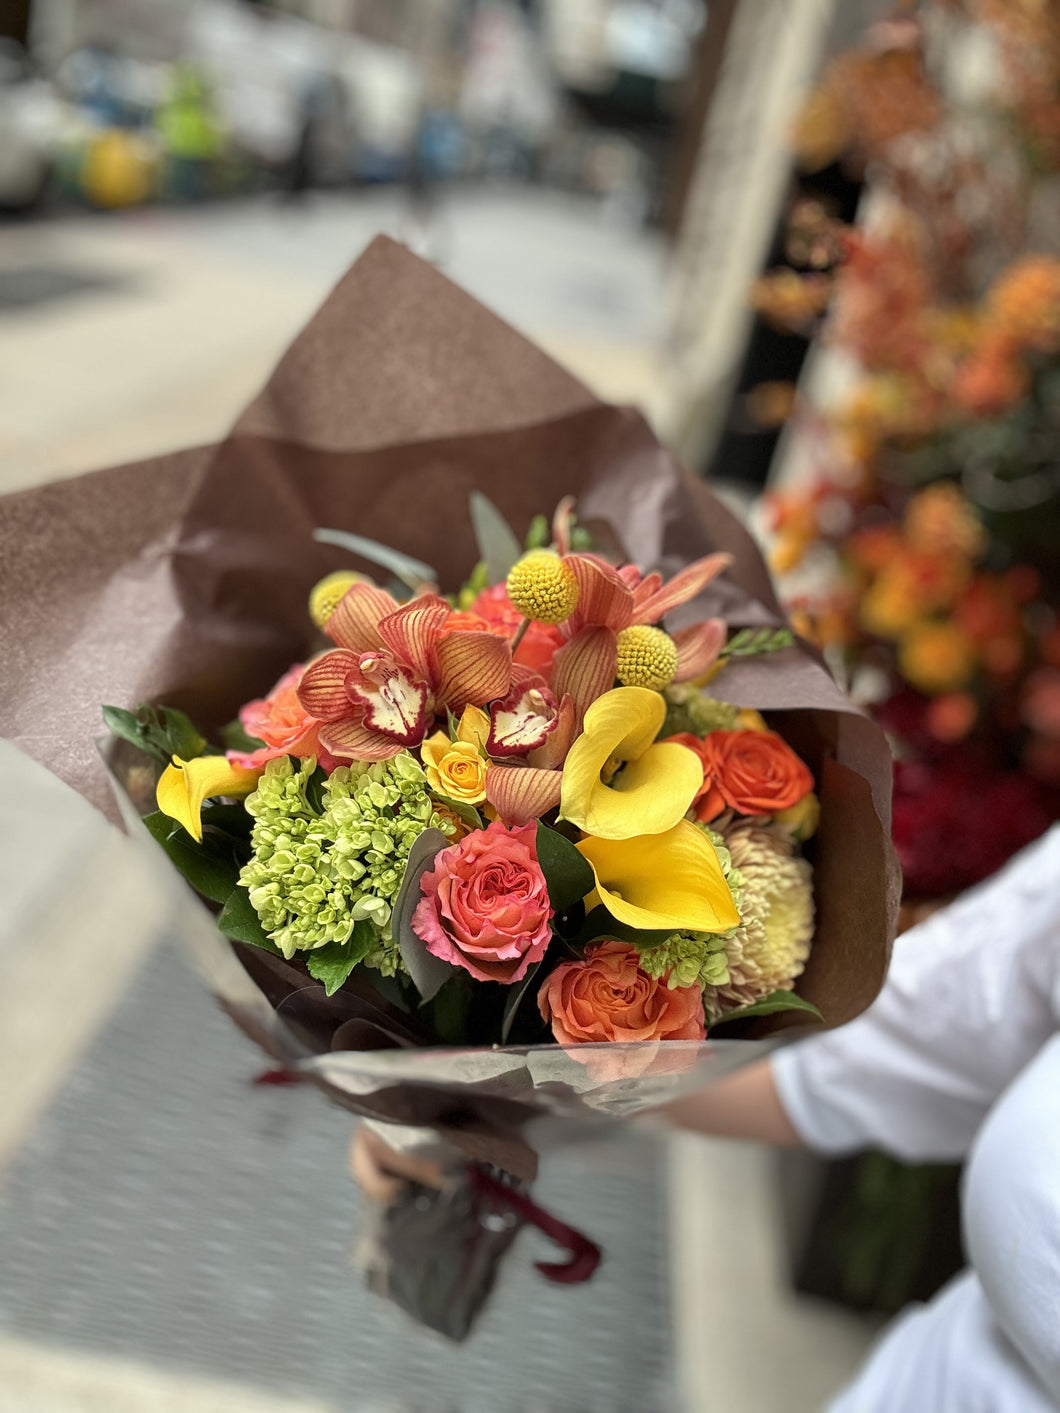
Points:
[[656, 787], [185, 784], [672, 880]]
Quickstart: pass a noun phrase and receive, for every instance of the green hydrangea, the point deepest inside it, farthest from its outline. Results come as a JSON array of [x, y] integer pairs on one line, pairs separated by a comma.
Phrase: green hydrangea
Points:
[[316, 872], [688, 708], [690, 957]]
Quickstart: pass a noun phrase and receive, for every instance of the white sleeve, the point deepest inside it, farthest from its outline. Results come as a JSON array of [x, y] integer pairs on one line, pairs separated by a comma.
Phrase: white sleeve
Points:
[[972, 995]]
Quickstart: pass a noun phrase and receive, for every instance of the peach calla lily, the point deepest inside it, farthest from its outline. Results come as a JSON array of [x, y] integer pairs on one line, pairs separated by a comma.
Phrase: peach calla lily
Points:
[[658, 784], [185, 784], [672, 880]]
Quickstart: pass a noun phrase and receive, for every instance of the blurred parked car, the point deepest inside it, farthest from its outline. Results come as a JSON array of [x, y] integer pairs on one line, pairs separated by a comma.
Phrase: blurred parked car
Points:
[[29, 123]]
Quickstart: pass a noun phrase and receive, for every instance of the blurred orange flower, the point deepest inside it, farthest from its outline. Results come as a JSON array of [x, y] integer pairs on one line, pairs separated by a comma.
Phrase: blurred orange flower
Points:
[[937, 657]]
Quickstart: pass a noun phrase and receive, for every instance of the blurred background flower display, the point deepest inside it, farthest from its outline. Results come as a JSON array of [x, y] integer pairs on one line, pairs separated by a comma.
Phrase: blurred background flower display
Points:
[[916, 507]]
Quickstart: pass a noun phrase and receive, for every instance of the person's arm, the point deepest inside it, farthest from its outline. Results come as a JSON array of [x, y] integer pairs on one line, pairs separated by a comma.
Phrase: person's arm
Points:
[[973, 994], [743, 1105]]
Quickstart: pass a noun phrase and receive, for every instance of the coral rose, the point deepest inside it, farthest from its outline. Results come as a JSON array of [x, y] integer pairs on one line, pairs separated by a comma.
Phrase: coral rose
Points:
[[752, 772], [496, 612], [282, 722], [608, 997], [485, 904]]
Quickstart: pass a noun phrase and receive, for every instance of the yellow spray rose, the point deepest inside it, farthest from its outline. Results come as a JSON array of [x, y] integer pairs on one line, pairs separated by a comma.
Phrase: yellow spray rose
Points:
[[457, 769]]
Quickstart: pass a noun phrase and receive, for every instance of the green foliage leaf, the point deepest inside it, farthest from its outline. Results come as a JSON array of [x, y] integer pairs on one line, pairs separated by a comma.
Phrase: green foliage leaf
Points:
[[160, 732], [477, 581], [239, 921], [497, 544], [600, 923], [539, 535], [516, 996], [236, 738], [568, 875], [211, 867], [314, 790], [770, 1005], [751, 642], [332, 963], [468, 813], [449, 1010]]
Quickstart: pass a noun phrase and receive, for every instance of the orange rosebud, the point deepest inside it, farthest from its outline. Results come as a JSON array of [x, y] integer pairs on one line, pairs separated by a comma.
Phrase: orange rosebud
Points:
[[752, 772], [609, 997]]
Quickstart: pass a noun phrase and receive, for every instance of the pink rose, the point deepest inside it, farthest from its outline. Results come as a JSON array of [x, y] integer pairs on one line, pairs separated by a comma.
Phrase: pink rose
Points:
[[485, 905], [282, 722]]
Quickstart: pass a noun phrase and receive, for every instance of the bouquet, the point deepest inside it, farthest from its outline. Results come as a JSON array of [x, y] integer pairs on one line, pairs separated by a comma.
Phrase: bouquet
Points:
[[509, 840]]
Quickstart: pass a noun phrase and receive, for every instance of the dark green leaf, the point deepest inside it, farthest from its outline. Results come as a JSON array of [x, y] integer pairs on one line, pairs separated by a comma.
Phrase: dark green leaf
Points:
[[211, 871], [128, 727], [568, 875], [468, 813], [497, 544], [449, 1010], [600, 923], [160, 732], [239, 921], [332, 963], [180, 736], [229, 820], [235, 737], [770, 1005], [314, 790], [516, 995]]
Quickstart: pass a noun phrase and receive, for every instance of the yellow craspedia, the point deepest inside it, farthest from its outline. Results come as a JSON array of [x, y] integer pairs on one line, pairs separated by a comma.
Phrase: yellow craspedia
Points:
[[324, 597], [647, 657], [543, 587]]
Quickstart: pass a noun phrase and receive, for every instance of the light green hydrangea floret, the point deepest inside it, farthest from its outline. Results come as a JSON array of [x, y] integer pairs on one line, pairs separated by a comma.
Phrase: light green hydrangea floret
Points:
[[688, 708], [317, 872], [690, 957]]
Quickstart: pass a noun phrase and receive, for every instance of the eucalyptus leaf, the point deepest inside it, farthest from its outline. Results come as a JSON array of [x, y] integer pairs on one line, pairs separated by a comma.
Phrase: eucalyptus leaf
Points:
[[429, 973], [569, 876], [332, 963], [211, 868], [497, 544], [405, 567], [239, 921], [770, 1005]]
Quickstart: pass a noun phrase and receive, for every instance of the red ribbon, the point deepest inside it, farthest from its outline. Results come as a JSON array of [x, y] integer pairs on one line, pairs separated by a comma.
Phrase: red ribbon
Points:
[[585, 1255]]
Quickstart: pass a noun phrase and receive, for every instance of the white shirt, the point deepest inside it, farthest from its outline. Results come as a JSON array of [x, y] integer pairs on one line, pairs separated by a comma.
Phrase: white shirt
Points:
[[959, 1057]]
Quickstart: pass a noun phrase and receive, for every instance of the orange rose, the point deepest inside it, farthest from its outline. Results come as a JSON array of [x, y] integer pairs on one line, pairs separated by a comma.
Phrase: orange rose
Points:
[[751, 772], [607, 997]]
